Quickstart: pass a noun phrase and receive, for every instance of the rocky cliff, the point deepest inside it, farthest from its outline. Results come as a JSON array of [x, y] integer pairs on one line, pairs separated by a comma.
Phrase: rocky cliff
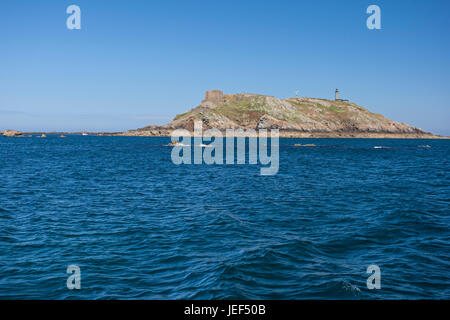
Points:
[[294, 117]]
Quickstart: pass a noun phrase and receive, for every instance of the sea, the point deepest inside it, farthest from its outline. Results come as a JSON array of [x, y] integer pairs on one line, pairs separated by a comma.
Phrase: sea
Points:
[[138, 226]]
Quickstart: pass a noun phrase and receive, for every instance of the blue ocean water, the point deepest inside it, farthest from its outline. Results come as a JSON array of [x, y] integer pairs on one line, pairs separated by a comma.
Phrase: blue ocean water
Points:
[[140, 227]]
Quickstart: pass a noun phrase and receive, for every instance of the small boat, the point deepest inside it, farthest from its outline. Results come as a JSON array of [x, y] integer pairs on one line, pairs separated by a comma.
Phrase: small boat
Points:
[[43, 135], [62, 136], [84, 134]]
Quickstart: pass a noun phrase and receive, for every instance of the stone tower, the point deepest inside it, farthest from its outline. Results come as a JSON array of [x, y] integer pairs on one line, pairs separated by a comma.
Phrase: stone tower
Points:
[[214, 96], [336, 95]]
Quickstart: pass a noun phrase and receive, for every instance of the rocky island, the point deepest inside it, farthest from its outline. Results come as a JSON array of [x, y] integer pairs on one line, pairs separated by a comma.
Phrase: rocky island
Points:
[[11, 133], [294, 117]]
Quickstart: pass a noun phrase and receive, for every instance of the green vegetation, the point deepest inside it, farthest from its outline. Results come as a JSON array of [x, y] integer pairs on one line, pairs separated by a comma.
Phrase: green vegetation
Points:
[[336, 109], [179, 116], [243, 108], [331, 108]]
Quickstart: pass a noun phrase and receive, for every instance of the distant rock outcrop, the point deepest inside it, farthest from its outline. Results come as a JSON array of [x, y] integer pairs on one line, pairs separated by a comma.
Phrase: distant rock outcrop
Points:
[[12, 133]]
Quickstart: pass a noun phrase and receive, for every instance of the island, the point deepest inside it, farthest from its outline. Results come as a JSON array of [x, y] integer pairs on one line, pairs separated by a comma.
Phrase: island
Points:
[[297, 117]]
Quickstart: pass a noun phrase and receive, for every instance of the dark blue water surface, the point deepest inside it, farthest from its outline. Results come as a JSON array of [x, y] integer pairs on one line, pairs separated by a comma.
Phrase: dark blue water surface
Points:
[[140, 227]]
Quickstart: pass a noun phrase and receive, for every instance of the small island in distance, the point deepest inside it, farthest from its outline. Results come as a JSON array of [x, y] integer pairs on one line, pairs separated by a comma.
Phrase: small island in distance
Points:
[[298, 117]]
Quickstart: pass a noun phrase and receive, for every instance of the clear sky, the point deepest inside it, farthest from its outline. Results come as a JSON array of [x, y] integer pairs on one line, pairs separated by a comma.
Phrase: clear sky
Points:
[[135, 63]]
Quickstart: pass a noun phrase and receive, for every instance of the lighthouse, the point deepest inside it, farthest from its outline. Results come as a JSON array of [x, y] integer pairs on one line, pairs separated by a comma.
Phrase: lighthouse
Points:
[[336, 95]]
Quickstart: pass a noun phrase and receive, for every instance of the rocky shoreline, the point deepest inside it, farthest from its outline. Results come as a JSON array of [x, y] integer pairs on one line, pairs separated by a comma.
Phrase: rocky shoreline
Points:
[[164, 132]]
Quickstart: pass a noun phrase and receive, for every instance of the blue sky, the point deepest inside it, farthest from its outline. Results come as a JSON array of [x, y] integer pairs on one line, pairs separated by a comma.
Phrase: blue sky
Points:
[[135, 63]]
